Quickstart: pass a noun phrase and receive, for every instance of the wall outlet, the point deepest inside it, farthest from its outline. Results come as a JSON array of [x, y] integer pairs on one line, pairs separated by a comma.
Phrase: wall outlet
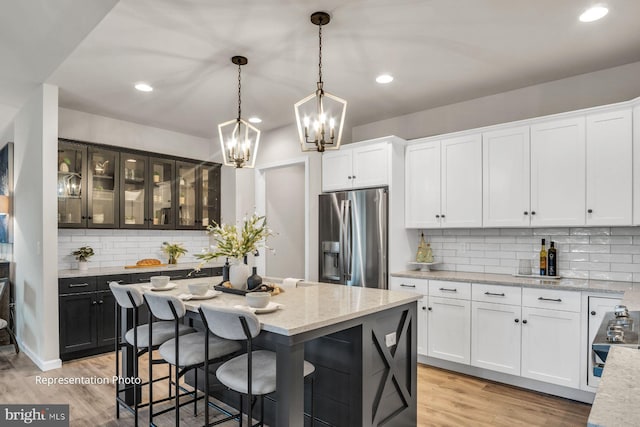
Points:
[[390, 339]]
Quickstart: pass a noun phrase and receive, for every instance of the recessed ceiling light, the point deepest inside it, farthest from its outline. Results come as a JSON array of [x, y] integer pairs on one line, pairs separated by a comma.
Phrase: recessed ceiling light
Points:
[[255, 119], [594, 13], [384, 78], [143, 87]]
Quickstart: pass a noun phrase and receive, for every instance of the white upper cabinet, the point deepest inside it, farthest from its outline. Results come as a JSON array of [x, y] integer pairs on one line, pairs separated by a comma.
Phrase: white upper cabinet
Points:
[[558, 173], [609, 168], [505, 177], [461, 196], [360, 166], [336, 170], [422, 185], [443, 183]]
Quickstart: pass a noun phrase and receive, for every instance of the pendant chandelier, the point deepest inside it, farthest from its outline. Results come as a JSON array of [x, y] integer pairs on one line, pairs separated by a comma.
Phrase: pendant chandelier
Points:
[[238, 138], [320, 116]]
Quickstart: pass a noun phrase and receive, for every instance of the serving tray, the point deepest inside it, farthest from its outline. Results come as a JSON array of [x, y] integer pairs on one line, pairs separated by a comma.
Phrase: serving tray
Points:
[[261, 288]]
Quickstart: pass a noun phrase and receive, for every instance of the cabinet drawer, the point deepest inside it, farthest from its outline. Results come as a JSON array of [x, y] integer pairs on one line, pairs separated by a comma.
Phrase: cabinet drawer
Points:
[[120, 279], [551, 298], [446, 289], [74, 285], [420, 286], [496, 293]]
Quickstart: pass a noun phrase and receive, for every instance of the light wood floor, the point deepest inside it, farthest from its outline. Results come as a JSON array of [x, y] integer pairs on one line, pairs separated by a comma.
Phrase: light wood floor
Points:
[[444, 398]]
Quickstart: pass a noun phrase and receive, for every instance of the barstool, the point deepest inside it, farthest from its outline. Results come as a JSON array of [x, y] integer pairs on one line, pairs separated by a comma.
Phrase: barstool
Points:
[[185, 352], [129, 297], [3, 323], [237, 374]]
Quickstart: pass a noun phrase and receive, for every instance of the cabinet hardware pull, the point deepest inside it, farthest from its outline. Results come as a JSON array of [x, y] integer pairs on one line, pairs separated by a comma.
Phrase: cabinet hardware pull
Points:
[[143, 280], [78, 285], [437, 216], [429, 308], [549, 299], [593, 313], [119, 282], [94, 302], [100, 302], [493, 294], [354, 177], [533, 212], [524, 321], [349, 177], [517, 320], [424, 308], [589, 210], [526, 213], [176, 277], [199, 274], [449, 290], [407, 286], [442, 216]]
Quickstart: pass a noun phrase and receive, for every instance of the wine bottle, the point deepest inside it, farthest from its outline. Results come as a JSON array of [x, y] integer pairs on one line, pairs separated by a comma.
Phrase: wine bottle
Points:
[[551, 258], [543, 259]]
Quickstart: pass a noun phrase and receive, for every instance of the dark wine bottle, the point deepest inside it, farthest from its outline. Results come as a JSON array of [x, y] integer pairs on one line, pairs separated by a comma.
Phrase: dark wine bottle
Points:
[[552, 260]]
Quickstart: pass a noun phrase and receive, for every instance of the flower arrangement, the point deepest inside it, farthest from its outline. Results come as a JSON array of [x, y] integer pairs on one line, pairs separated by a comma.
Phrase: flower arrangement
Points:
[[237, 242], [174, 250], [83, 254]]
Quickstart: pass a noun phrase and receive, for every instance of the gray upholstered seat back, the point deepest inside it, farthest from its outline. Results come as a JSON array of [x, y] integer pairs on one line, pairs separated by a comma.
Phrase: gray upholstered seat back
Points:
[[159, 306], [120, 292], [225, 322]]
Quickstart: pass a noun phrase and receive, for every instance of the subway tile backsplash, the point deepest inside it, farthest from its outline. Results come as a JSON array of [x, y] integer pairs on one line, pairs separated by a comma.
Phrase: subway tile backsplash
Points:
[[117, 248], [599, 253]]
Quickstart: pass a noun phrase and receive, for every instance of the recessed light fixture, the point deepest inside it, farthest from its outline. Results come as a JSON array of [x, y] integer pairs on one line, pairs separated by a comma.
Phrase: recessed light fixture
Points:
[[143, 87], [384, 79], [594, 13], [255, 119]]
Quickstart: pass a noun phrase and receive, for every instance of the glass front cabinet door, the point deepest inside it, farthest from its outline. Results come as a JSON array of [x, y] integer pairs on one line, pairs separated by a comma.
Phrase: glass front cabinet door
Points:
[[209, 195], [72, 167], [133, 207], [186, 188], [161, 193], [103, 188]]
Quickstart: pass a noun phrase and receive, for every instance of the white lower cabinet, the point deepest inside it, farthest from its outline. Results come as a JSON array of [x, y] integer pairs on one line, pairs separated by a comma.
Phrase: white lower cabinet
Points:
[[420, 286], [551, 346], [423, 322], [449, 326], [495, 337]]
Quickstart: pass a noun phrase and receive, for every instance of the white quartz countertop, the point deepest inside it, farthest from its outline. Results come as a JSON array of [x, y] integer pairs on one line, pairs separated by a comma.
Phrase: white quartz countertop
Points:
[[506, 279], [617, 401], [309, 306], [105, 271]]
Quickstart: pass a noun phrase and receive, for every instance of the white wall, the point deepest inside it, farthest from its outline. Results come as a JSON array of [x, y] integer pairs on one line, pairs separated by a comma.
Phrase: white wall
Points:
[[35, 243], [587, 90]]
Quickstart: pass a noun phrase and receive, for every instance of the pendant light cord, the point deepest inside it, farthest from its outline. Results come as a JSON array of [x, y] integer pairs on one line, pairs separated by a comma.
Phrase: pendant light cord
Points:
[[320, 55], [239, 97]]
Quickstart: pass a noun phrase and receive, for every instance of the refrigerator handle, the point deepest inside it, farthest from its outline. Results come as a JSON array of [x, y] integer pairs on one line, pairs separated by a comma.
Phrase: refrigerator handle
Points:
[[349, 245], [341, 256]]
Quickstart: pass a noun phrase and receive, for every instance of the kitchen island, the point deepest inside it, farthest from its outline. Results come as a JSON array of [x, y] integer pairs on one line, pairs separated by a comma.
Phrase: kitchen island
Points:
[[362, 341]]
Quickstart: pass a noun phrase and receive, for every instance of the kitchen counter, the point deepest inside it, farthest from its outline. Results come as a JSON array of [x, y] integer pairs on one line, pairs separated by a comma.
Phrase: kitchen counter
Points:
[[618, 397], [509, 280], [342, 330], [105, 271]]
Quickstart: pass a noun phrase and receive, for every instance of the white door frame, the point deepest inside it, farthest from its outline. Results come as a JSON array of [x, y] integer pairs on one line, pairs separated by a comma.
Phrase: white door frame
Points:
[[261, 205]]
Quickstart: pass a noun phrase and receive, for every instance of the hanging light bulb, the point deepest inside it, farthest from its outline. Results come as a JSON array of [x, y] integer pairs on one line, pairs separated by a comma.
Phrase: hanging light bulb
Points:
[[318, 114], [238, 138]]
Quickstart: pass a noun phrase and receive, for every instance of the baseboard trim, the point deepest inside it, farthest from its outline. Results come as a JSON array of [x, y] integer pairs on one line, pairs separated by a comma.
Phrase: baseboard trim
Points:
[[542, 387], [43, 365]]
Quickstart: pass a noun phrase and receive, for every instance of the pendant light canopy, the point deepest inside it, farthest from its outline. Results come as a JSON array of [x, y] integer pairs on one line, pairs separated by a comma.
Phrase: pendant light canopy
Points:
[[320, 116], [238, 138]]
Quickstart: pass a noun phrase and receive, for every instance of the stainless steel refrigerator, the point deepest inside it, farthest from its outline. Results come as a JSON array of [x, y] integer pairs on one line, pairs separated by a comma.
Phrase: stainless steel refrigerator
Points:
[[353, 238]]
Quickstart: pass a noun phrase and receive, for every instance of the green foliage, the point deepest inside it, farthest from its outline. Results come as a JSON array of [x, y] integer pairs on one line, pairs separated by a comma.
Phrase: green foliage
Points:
[[173, 249], [234, 242], [84, 253]]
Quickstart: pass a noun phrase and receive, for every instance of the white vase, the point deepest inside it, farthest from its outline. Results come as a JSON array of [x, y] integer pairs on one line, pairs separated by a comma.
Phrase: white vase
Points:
[[239, 272], [83, 265]]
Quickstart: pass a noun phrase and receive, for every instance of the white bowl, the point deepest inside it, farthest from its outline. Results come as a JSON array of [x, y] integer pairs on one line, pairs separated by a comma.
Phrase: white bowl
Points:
[[159, 281], [258, 299], [198, 288]]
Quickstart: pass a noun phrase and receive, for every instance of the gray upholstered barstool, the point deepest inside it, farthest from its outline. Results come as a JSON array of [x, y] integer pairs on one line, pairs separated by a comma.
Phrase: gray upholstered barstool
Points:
[[185, 352], [129, 297], [252, 373], [3, 323]]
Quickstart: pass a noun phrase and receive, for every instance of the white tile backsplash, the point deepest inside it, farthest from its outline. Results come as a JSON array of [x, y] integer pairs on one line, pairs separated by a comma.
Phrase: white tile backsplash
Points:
[[598, 253], [117, 248]]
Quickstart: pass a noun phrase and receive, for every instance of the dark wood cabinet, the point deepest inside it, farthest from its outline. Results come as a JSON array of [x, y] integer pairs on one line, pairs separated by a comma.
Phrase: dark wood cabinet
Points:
[[107, 187], [87, 309]]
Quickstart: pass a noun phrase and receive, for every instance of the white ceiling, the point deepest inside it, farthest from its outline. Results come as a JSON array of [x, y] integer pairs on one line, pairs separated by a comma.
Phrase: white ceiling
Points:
[[440, 52]]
